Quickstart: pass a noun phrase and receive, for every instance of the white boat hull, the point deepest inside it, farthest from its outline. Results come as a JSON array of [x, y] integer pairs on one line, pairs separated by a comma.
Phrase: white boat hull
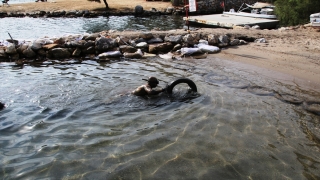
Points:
[[315, 25], [265, 16], [315, 20]]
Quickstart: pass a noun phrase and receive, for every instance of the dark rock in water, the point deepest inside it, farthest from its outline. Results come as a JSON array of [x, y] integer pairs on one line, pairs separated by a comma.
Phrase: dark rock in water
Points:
[[1, 106], [138, 10], [29, 53], [104, 44], [59, 53], [127, 49]]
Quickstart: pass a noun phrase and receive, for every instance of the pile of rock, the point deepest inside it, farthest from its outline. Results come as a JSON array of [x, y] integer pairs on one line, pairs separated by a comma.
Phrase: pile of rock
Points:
[[104, 45]]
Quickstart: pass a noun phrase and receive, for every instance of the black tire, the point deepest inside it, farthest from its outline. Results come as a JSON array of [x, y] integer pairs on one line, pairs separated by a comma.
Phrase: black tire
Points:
[[172, 84]]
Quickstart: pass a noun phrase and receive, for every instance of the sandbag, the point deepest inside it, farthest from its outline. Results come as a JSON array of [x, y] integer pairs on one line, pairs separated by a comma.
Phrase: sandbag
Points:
[[190, 51], [208, 48]]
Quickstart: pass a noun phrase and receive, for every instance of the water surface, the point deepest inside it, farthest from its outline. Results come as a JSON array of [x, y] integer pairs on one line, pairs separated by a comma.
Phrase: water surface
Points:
[[79, 121], [21, 29]]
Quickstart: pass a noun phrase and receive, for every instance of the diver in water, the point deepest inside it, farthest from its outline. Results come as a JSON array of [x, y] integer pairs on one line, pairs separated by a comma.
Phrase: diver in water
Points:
[[147, 88]]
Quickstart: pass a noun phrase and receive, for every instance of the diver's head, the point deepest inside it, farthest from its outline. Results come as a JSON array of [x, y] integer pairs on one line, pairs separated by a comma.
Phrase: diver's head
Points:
[[153, 82]]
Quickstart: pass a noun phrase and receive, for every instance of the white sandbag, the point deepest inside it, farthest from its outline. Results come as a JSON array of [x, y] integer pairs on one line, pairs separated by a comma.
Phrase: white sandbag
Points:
[[190, 51], [208, 48], [110, 54]]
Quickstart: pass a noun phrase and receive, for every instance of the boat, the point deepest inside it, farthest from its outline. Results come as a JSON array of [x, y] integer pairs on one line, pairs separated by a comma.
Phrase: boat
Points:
[[315, 20], [257, 10], [261, 14]]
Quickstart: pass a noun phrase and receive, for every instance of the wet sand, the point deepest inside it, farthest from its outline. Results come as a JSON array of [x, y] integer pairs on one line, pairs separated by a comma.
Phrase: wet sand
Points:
[[291, 56]]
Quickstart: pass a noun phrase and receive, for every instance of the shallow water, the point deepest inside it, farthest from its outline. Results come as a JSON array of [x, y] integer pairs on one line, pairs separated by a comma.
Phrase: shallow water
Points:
[[20, 29], [79, 121]]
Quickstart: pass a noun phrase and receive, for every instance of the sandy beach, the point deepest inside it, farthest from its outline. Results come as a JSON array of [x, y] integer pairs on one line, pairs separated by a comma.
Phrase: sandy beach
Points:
[[290, 54]]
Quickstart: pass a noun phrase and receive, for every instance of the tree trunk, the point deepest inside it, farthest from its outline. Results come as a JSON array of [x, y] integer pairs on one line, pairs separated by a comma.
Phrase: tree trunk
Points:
[[105, 2]]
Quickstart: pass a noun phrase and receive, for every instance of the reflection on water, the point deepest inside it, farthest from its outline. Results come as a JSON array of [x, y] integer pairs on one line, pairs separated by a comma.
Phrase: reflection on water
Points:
[[79, 121], [20, 28]]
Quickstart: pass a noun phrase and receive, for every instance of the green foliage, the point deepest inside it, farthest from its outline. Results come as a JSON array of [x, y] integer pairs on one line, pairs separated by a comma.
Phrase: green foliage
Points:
[[295, 12]]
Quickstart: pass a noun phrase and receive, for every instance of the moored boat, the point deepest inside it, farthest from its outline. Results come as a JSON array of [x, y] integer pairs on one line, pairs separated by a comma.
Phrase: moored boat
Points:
[[257, 10], [315, 20]]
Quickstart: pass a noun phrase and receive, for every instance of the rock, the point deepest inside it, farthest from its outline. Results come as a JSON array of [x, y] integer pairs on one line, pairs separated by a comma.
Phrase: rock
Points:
[[160, 47], [170, 10], [29, 53], [36, 45], [59, 41], [2, 106], [122, 41], [202, 41], [3, 55], [88, 43], [146, 35], [190, 39], [11, 49], [136, 55], [76, 52], [235, 42], [41, 53], [241, 42], [127, 49], [142, 45], [224, 39], [59, 53], [22, 47], [246, 27], [104, 44], [255, 27], [213, 39], [50, 46], [173, 39], [155, 40], [177, 47], [138, 10], [92, 37], [261, 40], [15, 57], [89, 50]]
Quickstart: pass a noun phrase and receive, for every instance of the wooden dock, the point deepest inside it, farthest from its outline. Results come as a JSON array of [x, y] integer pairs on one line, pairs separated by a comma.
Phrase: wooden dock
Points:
[[228, 21]]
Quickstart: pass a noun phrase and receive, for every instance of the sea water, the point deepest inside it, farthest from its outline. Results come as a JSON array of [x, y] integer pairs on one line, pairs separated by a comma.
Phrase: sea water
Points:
[[78, 120]]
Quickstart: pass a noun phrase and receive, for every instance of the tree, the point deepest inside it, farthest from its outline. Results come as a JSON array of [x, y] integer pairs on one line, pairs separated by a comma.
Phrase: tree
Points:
[[105, 2], [295, 12], [99, 1]]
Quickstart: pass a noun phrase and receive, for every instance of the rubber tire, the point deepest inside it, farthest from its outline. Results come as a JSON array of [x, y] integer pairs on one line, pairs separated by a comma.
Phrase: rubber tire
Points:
[[172, 84]]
